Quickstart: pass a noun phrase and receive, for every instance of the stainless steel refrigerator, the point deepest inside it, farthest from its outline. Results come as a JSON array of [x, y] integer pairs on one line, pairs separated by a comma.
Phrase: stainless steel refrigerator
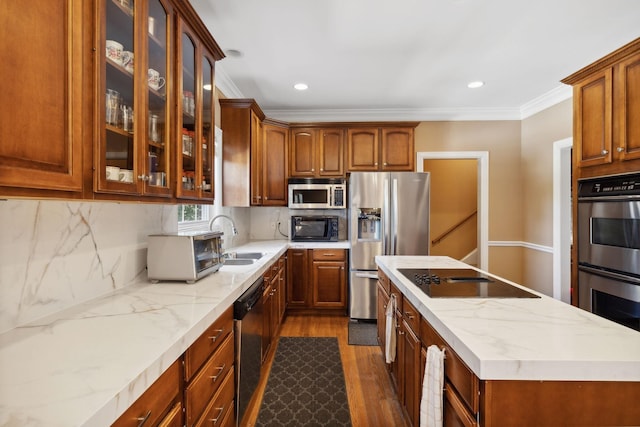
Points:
[[388, 215]]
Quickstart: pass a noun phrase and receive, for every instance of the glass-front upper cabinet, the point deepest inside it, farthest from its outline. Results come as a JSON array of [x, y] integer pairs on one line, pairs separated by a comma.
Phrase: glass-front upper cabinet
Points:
[[134, 143], [156, 164], [207, 127], [195, 119]]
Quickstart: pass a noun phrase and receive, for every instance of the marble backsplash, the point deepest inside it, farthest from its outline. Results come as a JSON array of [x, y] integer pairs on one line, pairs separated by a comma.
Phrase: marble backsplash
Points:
[[57, 254]]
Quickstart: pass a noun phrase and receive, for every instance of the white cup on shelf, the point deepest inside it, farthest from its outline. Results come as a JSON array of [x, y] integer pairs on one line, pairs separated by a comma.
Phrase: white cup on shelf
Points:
[[114, 51]]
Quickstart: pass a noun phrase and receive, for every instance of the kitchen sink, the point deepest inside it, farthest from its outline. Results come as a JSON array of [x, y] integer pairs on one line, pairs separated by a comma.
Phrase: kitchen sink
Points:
[[242, 258], [249, 255], [238, 261]]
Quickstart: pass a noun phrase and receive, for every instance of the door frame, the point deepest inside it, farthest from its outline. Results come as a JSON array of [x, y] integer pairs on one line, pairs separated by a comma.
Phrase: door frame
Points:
[[562, 235], [482, 158]]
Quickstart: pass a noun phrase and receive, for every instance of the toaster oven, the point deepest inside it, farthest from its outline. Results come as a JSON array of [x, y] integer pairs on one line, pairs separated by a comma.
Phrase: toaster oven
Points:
[[187, 256]]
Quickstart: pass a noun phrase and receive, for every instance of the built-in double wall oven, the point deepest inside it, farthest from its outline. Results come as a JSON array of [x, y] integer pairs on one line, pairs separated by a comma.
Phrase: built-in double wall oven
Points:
[[609, 248]]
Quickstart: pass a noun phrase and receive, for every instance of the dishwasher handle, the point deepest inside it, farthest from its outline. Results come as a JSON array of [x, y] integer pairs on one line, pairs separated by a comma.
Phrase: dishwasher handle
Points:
[[248, 299]]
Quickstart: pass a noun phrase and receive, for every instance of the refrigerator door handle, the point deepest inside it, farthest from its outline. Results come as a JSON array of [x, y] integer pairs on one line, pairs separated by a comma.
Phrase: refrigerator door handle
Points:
[[367, 275], [394, 217], [386, 225]]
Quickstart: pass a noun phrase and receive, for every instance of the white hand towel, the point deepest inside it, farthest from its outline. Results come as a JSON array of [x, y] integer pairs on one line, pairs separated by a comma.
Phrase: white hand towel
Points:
[[432, 388], [390, 331]]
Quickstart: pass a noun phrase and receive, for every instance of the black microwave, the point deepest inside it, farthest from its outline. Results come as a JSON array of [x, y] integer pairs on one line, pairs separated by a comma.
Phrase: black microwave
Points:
[[314, 228]]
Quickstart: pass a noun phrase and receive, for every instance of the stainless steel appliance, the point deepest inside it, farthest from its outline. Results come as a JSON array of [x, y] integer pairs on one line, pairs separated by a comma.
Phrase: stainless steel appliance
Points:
[[609, 248], [461, 283], [187, 256], [317, 193], [389, 215], [247, 312], [314, 228]]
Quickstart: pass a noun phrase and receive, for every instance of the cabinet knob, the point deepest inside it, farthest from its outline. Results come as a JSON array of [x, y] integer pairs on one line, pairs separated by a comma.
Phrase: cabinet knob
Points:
[[144, 177], [384, 164], [605, 152], [620, 149], [313, 170], [321, 169], [375, 164]]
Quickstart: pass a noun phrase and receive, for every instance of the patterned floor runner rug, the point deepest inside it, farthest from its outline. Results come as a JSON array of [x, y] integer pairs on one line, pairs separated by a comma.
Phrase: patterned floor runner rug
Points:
[[306, 385]]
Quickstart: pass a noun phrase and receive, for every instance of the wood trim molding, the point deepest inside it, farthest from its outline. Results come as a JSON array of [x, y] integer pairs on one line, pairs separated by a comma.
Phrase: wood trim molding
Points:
[[605, 62]]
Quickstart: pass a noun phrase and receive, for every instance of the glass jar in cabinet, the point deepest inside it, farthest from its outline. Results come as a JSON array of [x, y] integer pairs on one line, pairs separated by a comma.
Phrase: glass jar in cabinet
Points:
[[133, 142]]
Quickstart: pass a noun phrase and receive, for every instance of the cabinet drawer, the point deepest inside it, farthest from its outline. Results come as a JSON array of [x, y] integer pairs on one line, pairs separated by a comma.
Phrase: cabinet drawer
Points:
[[221, 406], [328, 254], [394, 291], [208, 380], [411, 316], [456, 371], [174, 417], [384, 281], [155, 402], [455, 412], [207, 343]]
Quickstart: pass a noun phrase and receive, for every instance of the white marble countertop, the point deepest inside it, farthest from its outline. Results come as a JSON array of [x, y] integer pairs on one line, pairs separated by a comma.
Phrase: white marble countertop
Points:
[[86, 365], [522, 338]]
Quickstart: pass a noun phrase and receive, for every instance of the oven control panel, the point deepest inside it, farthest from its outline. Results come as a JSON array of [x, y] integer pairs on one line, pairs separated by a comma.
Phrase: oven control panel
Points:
[[627, 185]]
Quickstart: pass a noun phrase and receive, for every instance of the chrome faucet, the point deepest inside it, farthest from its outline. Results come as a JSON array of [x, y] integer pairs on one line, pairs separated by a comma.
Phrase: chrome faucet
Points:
[[234, 230]]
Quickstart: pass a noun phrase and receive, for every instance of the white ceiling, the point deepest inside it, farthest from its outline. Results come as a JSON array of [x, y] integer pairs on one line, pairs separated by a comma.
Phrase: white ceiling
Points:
[[410, 59]]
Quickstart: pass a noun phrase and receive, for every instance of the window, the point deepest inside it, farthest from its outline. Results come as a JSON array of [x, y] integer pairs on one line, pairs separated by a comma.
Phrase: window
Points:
[[193, 217]]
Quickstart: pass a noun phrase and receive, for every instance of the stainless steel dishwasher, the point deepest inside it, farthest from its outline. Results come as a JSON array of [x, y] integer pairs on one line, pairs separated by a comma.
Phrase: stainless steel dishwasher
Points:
[[247, 314]]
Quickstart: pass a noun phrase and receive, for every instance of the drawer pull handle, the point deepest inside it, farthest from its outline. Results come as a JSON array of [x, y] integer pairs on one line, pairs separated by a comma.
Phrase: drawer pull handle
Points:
[[214, 338], [215, 420], [143, 419], [220, 371], [409, 315]]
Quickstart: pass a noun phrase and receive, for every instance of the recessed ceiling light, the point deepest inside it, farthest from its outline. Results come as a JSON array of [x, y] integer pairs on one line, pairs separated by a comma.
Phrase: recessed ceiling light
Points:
[[475, 85], [233, 53], [301, 86]]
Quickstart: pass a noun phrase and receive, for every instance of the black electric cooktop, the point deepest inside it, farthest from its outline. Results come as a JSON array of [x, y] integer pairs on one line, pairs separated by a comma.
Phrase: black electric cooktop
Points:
[[461, 283]]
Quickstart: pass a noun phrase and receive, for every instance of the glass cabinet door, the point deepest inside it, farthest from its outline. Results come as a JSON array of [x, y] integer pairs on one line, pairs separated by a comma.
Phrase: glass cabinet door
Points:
[[117, 170], [186, 141], [157, 153], [207, 128]]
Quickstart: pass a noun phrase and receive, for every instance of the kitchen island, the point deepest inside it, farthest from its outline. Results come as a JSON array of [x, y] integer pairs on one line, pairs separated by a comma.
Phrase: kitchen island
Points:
[[533, 349]]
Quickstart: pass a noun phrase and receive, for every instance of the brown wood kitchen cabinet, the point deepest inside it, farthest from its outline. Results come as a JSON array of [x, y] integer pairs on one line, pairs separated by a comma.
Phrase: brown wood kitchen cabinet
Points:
[[606, 103], [381, 148], [160, 404], [273, 303], [317, 152], [209, 390], [46, 130], [275, 152], [254, 171], [329, 278], [317, 279], [108, 118]]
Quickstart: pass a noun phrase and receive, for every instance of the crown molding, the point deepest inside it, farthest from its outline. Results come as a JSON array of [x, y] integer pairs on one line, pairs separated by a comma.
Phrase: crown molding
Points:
[[396, 114], [549, 99], [225, 84]]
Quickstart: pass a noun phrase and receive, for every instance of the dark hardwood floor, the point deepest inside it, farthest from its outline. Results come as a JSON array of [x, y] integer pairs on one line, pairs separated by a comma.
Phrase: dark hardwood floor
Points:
[[372, 399]]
